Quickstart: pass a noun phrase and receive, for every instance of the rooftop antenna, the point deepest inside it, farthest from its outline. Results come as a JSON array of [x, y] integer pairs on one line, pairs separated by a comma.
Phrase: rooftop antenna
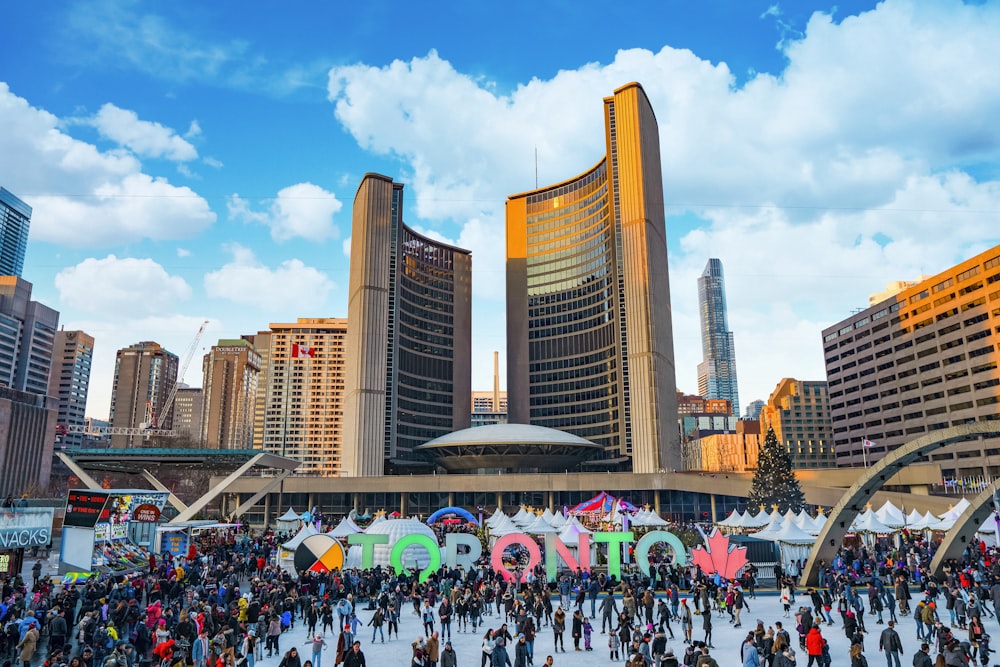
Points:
[[536, 167]]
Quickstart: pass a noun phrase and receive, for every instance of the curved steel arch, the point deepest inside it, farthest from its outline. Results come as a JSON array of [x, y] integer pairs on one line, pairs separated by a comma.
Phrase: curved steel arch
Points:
[[960, 535], [873, 479]]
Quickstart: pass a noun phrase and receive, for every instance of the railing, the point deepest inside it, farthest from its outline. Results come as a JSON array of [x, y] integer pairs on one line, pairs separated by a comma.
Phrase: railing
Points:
[[25, 517]]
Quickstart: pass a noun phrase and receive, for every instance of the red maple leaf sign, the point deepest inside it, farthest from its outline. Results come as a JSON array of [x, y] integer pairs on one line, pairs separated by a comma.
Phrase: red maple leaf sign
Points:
[[717, 556]]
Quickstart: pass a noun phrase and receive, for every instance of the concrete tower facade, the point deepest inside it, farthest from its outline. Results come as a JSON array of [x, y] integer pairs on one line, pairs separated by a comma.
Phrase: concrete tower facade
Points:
[[69, 380], [144, 375], [229, 393], [27, 337], [589, 331], [303, 399], [409, 365]]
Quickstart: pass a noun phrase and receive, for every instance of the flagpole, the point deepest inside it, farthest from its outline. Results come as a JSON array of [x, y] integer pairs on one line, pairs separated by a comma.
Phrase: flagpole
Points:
[[864, 450]]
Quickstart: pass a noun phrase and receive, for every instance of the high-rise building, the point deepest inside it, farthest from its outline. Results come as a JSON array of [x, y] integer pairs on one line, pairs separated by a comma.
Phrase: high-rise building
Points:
[[304, 396], [261, 342], [409, 314], [27, 337], [717, 371], [229, 387], [144, 375], [589, 340], [753, 409], [69, 380], [917, 362], [27, 438], [187, 413], [15, 219], [725, 452], [799, 412]]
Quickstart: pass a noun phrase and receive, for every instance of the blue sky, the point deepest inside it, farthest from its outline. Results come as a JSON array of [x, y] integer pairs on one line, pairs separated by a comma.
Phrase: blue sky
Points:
[[191, 161]]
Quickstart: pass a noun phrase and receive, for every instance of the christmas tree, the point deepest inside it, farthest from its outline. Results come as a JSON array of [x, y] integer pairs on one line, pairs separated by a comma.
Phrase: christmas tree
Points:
[[774, 483]]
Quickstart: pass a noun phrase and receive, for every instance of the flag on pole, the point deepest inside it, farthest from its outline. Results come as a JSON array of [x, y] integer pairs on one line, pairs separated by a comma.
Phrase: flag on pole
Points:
[[302, 351], [867, 443]]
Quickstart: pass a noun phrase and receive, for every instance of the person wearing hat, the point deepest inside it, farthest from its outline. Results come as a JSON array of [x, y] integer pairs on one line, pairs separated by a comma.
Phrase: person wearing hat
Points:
[[28, 643], [669, 659], [499, 657], [521, 652], [448, 656]]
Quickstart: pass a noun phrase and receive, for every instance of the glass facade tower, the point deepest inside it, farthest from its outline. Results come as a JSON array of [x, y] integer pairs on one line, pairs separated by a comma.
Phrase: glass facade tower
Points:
[[15, 219], [589, 340], [717, 371]]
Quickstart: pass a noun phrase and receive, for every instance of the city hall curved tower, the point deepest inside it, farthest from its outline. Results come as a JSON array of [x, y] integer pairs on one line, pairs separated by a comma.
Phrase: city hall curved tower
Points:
[[408, 370], [589, 334]]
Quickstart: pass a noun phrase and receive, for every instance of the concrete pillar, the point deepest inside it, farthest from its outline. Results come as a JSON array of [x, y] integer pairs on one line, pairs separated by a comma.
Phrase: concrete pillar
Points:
[[404, 504], [267, 508], [549, 496], [356, 501], [656, 500], [712, 511], [451, 499], [499, 500]]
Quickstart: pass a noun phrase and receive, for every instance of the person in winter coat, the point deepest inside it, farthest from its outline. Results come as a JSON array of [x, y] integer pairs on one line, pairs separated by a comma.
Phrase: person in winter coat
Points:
[[814, 646], [521, 652], [291, 659], [448, 656], [355, 657], [28, 644], [577, 629], [922, 658], [499, 657]]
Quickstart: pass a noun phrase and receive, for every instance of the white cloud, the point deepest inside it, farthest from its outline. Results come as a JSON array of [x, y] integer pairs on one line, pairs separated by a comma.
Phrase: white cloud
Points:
[[142, 137], [127, 285], [815, 186], [302, 210], [85, 197], [212, 162], [194, 130], [183, 252], [290, 287], [346, 247]]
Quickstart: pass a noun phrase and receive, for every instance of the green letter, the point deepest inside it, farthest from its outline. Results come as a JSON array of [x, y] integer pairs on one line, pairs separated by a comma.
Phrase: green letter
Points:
[[367, 543], [428, 543], [614, 552]]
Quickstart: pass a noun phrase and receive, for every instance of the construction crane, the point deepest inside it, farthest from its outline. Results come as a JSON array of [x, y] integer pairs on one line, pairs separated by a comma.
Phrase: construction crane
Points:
[[150, 427], [188, 356]]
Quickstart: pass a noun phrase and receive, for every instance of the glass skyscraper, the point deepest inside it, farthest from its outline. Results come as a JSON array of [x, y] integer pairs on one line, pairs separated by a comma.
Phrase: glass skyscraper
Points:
[[717, 371], [589, 339], [15, 219]]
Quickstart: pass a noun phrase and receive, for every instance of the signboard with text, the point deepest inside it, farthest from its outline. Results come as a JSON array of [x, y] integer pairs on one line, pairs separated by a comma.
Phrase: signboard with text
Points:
[[84, 508], [26, 527]]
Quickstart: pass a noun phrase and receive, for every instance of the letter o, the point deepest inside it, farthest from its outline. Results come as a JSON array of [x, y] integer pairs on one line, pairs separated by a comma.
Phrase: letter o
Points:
[[496, 555], [425, 541]]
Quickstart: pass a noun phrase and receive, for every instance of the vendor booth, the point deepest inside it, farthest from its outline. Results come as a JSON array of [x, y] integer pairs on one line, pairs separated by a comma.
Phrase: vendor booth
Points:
[[109, 531]]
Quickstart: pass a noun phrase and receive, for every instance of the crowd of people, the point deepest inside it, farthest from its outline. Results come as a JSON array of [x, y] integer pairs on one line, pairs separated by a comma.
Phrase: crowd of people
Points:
[[228, 605]]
